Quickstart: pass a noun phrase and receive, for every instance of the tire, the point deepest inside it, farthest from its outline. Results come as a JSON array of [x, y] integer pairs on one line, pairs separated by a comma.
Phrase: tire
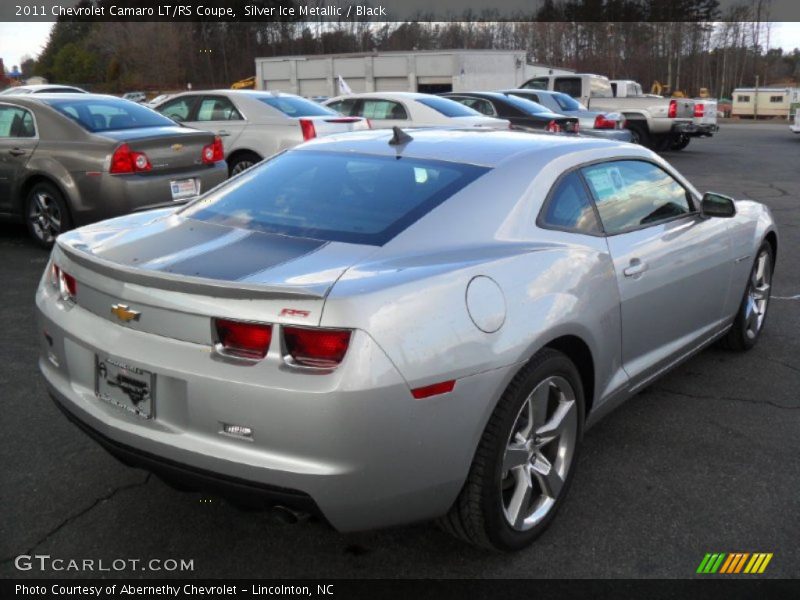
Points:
[[507, 473], [242, 162], [640, 134], [680, 143], [752, 313], [46, 213], [662, 143]]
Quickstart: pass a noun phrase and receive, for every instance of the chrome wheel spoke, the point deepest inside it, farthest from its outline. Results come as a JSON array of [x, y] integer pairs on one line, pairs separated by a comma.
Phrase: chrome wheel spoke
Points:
[[516, 456], [554, 428], [548, 478], [520, 500], [761, 292]]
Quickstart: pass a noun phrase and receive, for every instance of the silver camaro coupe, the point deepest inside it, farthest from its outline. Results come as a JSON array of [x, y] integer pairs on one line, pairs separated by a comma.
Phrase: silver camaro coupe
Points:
[[387, 327]]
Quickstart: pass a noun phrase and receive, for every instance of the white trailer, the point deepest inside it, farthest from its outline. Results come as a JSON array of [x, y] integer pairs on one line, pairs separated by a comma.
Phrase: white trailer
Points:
[[762, 102], [418, 71]]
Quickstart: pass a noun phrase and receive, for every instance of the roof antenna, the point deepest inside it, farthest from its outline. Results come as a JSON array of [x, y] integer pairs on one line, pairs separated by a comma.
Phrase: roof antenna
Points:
[[399, 137]]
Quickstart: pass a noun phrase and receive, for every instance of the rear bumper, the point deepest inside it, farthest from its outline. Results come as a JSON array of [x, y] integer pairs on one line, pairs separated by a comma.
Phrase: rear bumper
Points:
[[355, 442], [795, 128], [104, 196], [695, 130], [619, 135]]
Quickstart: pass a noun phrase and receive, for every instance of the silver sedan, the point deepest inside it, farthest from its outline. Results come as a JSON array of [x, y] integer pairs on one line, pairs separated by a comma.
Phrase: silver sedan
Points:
[[387, 327]]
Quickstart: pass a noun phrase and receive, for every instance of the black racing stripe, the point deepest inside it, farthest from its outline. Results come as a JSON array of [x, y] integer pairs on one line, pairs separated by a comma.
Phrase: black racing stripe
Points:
[[256, 252], [143, 248]]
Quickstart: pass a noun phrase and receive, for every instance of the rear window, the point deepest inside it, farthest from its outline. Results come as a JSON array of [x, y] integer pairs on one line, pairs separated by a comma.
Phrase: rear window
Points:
[[526, 106], [354, 198], [567, 102], [449, 108], [294, 106], [112, 114]]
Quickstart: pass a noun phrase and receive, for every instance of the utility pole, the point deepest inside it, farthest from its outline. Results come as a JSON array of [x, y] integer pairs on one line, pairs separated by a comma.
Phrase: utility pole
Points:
[[755, 102]]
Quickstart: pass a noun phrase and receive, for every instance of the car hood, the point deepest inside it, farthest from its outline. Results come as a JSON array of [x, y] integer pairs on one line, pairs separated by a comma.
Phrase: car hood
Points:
[[162, 249]]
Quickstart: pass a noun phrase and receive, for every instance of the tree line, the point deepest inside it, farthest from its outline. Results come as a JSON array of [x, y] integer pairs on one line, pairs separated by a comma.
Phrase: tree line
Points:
[[704, 49]]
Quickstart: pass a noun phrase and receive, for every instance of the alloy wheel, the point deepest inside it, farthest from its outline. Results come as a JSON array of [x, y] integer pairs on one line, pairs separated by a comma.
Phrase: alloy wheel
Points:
[[45, 217], [757, 298], [240, 166], [539, 453]]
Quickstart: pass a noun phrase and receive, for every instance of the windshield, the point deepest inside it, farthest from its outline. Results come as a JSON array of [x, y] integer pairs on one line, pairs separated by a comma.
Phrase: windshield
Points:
[[567, 102], [109, 114], [355, 198], [294, 106], [449, 108]]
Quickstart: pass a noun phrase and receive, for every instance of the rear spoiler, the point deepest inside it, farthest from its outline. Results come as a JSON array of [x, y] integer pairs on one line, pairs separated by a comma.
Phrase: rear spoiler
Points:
[[181, 283]]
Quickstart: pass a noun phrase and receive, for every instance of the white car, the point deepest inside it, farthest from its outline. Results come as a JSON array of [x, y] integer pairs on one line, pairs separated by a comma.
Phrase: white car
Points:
[[43, 88], [409, 109], [256, 124], [796, 126]]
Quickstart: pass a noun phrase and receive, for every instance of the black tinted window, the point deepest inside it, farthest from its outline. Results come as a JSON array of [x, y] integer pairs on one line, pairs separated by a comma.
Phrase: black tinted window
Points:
[[354, 198], [569, 207], [526, 106], [571, 86], [630, 194], [100, 114]]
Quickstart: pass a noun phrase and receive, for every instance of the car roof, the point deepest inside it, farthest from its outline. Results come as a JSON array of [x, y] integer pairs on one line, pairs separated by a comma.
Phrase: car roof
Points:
[[41, 98], [482, 147], [388, 95], [533, 91]]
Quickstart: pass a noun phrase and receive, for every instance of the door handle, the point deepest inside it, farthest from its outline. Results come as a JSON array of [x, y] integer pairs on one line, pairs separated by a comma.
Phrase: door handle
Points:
[[16, 152], [223, 133], [636, 267]]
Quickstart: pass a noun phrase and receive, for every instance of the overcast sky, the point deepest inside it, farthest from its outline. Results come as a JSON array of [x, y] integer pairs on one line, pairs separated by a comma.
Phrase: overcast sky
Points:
[[20, 39]]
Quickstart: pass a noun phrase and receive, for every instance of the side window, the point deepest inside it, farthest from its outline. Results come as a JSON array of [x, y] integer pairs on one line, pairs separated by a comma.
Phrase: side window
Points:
[[383, 109], [344, 107], [16, 123], [178, 109], [632, 193], [481, 105], [571, 86], [217, 108], [569, 207]]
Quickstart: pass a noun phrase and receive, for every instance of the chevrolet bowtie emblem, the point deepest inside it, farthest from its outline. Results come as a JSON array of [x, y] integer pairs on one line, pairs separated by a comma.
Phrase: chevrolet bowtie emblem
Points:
[[124, 313], [177, 147]]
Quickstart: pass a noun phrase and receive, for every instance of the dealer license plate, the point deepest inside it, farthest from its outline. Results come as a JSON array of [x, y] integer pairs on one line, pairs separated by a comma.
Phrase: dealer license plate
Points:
[[125, 386], [184, 188]]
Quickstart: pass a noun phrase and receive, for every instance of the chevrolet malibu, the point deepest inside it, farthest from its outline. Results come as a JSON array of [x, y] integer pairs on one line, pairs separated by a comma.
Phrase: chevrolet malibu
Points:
[[388, 327], [71, 159]]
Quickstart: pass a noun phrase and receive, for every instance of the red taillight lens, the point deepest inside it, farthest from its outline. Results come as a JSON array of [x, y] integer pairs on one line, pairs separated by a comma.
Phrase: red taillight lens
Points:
[[125, 160], [308, 129], [66, 283], [322, 348], [213, 152], [553, 127], [246, 340], [601, 122], [699, 110], [672, 112]]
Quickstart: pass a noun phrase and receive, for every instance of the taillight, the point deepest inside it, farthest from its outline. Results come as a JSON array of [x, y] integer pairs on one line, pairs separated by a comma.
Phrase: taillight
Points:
[[601, 122], [125, 160], [65, 283], [699, 110], [213, 152], [308, 129], [242, 339], [672, 112], [553, 127], [321, 348]]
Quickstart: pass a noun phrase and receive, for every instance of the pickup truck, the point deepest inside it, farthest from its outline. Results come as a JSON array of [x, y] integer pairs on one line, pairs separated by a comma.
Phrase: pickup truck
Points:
[[655, 122], [704, 116]]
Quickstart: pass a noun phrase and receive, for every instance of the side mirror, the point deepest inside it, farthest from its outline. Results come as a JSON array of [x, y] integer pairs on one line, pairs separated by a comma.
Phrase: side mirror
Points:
[[717, 205]]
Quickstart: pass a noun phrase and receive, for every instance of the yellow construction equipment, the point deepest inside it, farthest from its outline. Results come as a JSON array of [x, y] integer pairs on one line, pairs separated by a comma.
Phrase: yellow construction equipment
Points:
[[245, 84]]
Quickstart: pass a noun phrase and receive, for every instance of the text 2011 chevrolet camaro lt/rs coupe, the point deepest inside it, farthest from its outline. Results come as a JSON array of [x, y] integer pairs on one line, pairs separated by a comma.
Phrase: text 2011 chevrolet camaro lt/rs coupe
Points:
[[388, 327]]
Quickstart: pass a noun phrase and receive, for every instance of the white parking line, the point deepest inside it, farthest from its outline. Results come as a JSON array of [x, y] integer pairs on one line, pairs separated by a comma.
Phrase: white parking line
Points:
[[795, 297]]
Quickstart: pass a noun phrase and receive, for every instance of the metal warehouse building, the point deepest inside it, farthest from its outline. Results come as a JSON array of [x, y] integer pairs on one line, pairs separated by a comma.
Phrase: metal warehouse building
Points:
[[418, 71]]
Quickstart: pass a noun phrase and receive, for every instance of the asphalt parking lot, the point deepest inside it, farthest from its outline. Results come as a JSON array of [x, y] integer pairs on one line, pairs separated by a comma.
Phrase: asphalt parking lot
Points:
[[706, 460]]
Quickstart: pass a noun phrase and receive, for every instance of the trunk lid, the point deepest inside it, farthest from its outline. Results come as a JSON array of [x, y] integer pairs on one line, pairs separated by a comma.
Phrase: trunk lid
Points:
[[179, 273], [333, 124], [168, 148]]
